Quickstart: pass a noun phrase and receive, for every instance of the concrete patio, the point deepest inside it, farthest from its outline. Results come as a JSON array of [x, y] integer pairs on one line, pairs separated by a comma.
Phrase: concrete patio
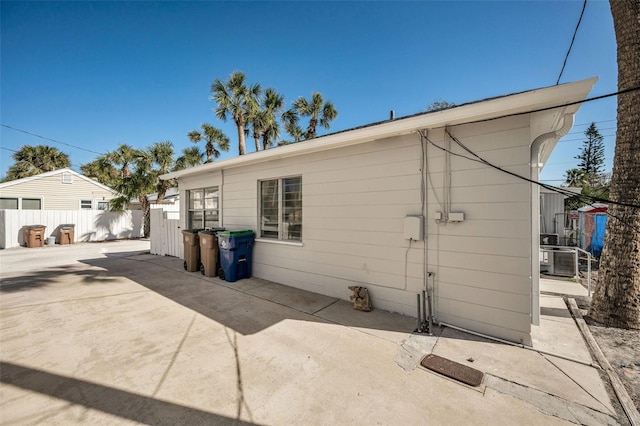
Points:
[[117, 336]]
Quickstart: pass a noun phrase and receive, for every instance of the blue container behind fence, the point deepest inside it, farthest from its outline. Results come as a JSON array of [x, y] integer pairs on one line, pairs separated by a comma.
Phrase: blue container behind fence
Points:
[[235, 254]]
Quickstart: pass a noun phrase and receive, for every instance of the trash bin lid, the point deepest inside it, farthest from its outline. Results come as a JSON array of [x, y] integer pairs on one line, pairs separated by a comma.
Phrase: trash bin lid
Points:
[[68, 226], [236, 233], [35, 226], [193, 231]]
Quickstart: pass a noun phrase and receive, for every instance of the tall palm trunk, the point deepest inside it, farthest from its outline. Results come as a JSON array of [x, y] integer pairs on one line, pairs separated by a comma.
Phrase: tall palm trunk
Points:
[[146, 214], [241, 143], [616, 301], [311, 130]]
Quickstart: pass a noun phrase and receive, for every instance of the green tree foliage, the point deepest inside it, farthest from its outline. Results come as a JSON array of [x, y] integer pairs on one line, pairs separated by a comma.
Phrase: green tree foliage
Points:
[[265, 119], [215, 140], [318, 111], [439, 105], [592, 155], [134, 173], [190, 157], [33, 160], [236, 100], [589, 175], [102, 170]]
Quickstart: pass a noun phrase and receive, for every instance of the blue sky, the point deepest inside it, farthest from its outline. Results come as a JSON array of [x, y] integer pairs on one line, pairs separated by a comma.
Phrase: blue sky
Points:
[[98, 74]]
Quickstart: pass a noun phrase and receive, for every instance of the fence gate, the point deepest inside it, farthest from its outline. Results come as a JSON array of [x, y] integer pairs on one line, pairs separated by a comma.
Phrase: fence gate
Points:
[[166, 238]]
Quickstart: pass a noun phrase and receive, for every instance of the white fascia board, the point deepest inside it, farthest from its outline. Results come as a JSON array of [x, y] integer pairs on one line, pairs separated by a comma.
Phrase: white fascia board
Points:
[[483, 110], [36, 177]]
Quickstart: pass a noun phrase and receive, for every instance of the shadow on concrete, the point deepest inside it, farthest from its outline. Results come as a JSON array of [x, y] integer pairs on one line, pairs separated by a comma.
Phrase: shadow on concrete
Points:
[[49, 276], [248, 306], [109, 400]]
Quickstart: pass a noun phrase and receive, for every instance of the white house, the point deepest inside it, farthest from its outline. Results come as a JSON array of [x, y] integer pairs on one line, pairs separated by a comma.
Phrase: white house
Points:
[[61, 189], [384, 205]]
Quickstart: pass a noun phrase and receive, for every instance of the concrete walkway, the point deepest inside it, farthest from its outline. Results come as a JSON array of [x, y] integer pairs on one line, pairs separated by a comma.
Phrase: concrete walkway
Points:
[[116, 337]]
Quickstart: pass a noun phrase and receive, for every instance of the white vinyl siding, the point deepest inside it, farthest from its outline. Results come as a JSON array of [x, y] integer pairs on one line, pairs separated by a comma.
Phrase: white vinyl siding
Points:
[[355, 201], [281, 209], [55, 194]]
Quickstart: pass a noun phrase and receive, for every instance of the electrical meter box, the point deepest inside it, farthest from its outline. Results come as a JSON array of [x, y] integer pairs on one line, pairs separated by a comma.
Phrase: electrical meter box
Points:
[[414, 228]]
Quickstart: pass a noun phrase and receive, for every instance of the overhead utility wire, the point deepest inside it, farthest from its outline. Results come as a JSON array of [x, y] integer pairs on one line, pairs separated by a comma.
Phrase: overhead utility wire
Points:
[[556, 189], [550, 187], [49, 139], [564, 64], [13, 150]]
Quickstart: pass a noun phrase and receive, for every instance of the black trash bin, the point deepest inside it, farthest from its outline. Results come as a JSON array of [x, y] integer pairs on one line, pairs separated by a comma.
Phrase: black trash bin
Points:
[[191, 249], [235, 254]]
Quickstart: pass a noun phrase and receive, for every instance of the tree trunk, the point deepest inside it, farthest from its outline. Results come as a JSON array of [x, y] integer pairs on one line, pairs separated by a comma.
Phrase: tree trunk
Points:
[[241, 145], [256, 138], [616, 301], [311, 129], [146, 214]]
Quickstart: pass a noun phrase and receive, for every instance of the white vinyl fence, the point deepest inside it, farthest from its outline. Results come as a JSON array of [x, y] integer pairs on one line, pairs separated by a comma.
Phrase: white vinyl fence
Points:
[[166, 238], [90, 225]]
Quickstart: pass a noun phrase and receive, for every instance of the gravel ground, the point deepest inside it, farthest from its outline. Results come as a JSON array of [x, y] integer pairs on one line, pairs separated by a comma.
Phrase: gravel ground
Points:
[[621, 348]]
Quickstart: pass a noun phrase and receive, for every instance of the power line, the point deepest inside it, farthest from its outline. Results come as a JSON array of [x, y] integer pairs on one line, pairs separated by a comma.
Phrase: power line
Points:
[[584, 6], [49, 139], [556, 189]]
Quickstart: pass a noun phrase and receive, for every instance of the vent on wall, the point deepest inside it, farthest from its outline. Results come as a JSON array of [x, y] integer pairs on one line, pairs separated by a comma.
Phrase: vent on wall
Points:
[[67, 178]]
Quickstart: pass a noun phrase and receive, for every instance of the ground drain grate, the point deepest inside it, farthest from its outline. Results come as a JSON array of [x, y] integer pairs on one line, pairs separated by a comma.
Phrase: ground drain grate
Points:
[[452, 369]]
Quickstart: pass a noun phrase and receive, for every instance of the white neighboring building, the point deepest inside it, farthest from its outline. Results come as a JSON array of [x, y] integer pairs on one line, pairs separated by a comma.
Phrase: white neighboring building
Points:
[[332, 211]]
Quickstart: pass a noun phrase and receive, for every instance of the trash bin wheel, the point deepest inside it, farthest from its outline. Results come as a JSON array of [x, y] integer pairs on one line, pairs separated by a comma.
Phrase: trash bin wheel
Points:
[[185, 265], [221, 273], [202, 268]]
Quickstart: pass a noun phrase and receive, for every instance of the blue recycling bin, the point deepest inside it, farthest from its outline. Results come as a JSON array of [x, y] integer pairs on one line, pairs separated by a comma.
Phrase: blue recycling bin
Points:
[[235, 254]]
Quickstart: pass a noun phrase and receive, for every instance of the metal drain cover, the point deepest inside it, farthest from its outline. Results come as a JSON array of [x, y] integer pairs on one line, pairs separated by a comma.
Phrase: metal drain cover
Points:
[[452, 369]]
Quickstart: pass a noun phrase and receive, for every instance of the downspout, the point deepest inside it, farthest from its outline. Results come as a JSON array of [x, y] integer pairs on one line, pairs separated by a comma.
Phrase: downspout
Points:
[[534, 162]]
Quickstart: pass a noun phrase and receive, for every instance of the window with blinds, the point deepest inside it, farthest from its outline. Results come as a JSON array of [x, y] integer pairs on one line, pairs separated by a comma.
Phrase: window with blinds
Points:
[[281, 208]]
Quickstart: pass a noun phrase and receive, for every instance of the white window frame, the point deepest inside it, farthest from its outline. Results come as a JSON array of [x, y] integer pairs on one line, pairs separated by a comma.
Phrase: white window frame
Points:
[[283, 226], [98, 202], [203, 210], [86, 200]]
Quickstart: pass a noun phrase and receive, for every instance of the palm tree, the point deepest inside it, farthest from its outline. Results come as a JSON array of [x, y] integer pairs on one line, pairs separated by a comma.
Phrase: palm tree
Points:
[[190, 157], [576, 178], [213, 137], [273, 106], [122, 158], [162, 156], [235, 99], [33, 160], [290, 119], [318, 111], [102, 170]]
